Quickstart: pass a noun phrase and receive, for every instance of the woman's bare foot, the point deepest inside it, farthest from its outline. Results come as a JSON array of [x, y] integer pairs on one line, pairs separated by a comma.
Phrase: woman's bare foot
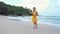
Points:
[[33, 27]]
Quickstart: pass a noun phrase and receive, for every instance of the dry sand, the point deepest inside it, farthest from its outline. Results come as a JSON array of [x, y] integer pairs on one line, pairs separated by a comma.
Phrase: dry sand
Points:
[[18, 27]]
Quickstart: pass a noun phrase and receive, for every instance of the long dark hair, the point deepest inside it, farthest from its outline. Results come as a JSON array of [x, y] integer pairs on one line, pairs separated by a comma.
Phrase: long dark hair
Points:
[[34, 8]]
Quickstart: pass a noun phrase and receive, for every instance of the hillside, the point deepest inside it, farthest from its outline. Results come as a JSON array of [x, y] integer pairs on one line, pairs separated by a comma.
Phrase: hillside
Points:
[[6, 9]]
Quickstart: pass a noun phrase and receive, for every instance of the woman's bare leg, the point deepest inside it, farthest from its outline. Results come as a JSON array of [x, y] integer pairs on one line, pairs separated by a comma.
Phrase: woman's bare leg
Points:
[[35, 25]]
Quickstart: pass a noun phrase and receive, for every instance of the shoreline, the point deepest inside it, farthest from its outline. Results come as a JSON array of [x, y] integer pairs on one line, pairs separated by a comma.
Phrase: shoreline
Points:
[[57, 26], [49, 24], [21, 27]]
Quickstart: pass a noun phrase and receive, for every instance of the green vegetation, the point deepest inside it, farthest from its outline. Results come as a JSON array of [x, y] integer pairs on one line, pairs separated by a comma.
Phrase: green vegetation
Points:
[[6, 9]]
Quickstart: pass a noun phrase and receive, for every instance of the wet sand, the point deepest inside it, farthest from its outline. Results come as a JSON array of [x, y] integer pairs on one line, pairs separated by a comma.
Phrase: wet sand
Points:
[[8, 26]]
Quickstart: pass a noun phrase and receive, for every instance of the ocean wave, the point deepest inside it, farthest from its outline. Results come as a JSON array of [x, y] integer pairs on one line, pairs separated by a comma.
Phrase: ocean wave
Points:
[[40, 21]]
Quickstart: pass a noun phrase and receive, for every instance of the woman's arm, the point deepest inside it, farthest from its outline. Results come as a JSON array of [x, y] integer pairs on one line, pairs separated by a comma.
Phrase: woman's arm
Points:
[[37, 13], [30, 12]]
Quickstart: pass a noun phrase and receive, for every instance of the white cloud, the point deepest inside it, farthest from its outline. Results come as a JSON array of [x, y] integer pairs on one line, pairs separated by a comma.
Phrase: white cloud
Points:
[[39, 4], [58, 2], [54, 5], [1, 0]]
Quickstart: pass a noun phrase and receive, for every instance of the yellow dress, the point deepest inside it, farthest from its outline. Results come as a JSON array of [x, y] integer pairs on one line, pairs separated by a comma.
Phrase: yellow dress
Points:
[[34, 17]]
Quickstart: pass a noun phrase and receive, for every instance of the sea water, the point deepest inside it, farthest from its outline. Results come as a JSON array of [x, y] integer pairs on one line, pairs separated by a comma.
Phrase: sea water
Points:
[[49, 20]]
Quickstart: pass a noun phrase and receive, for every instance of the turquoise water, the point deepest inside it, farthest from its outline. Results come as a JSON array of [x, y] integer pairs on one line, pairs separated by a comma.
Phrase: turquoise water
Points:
[[50, 20]]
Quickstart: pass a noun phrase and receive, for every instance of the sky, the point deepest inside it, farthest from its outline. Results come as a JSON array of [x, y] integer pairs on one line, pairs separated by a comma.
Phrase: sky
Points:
[[44, 7]]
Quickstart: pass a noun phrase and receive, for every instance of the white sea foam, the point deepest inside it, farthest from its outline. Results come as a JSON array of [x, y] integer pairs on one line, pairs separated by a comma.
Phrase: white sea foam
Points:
[[40, 21]]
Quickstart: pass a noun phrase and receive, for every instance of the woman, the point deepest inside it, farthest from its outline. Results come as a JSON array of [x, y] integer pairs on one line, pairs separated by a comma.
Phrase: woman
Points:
[[34, 18]]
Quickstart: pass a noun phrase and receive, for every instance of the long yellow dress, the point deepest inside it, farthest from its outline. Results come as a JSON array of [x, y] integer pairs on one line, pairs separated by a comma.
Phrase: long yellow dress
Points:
[[34, 16]]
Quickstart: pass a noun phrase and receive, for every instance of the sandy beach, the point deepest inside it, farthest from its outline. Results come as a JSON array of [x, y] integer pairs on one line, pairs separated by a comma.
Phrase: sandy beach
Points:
[[18, 27]]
